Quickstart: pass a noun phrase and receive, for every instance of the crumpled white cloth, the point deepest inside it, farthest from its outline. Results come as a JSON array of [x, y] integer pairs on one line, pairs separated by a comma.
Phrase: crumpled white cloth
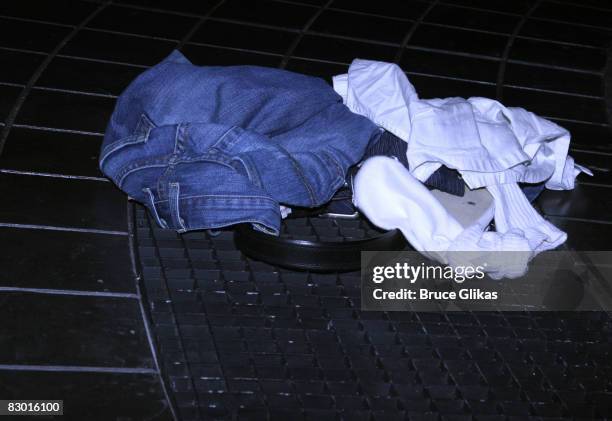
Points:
[[491, 146], [285, 211]]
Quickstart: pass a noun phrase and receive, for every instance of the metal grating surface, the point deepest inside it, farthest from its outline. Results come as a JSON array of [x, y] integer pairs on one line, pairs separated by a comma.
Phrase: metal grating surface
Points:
[[243, 339], [240, 339]]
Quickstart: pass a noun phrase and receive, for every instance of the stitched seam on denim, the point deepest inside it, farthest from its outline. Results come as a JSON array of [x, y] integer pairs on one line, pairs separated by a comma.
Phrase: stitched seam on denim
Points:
[[173, 156], [153, 208], [179, 140], [234, 222], [221, 143], [300, 174], [127, 173], [340, 178], [220, 197], [119, 144], [336, 182], [163, 181], [145, 163], [226, 207], [251, 170], [333, 162], [177, 135], [144, 122], [246, 169], [174, 194], [207, 158]]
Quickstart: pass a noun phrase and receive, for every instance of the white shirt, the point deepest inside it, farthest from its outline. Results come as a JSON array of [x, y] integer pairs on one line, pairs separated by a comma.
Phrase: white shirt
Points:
[[492, 146]]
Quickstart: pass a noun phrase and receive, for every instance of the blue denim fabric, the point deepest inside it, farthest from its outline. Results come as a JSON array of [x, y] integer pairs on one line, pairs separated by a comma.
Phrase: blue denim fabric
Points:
[[207, 147]]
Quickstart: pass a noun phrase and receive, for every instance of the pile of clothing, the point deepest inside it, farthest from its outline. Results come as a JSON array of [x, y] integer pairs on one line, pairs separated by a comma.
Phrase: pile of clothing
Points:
[[208, 147]]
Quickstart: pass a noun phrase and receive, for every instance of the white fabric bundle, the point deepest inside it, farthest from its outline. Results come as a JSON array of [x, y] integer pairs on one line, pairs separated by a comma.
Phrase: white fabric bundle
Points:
[[492, 146]]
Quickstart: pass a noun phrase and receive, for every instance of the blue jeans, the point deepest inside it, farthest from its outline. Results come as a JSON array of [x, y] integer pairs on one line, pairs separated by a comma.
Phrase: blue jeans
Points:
[[208, 147]]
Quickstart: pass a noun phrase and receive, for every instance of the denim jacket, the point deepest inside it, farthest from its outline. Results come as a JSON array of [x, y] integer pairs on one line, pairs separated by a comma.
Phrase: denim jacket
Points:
[[208, 147]]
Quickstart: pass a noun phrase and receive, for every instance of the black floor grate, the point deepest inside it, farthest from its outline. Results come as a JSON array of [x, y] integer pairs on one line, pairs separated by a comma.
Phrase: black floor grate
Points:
[[238, 338], [243, 339]]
